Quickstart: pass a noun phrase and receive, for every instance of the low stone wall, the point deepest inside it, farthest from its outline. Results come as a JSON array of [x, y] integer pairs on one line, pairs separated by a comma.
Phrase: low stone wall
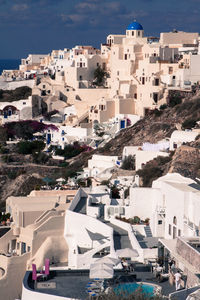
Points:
[[188, 253]]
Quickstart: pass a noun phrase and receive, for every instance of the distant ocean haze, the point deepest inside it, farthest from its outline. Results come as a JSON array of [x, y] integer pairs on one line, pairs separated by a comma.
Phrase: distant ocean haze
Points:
[[9, 64]]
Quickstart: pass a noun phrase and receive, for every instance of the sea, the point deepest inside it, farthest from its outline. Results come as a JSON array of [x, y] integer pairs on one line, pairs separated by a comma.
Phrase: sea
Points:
[[9, 64]]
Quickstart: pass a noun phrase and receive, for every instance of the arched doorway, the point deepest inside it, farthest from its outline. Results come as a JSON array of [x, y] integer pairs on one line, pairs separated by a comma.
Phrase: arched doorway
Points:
[[174, 227]]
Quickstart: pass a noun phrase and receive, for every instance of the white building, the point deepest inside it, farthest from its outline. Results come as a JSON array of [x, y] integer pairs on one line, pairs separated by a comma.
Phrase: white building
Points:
[[172, 205], [67, 135], [99, 164], [180, 137]]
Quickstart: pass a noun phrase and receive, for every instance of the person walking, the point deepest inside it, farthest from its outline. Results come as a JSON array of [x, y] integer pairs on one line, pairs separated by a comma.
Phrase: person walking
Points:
[[177, 280]]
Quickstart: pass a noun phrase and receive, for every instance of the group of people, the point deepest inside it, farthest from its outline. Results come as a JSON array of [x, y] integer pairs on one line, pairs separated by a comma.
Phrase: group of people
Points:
[[128, 267]]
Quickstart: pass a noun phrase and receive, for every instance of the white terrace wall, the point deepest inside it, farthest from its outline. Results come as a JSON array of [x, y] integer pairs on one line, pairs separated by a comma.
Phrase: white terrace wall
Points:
[[5, 239], [75, 233], [11, 282], [12, 85]]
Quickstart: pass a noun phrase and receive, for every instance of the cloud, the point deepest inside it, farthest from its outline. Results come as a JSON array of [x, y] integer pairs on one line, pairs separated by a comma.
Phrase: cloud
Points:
[[20, 7]]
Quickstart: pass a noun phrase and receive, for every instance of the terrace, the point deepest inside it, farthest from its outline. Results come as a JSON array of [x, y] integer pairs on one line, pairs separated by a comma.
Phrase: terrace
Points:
[[72, 283]]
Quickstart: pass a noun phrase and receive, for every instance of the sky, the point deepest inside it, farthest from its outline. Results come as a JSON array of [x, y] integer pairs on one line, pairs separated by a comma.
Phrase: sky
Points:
[[38, 26]]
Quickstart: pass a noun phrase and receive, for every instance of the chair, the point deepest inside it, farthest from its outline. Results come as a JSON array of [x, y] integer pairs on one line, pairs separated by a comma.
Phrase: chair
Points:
[[35, 275], [45, 273]]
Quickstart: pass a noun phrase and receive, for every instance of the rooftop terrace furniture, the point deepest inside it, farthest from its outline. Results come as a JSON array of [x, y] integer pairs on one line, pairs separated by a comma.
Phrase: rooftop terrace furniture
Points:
[[45, 273], [35, 275]]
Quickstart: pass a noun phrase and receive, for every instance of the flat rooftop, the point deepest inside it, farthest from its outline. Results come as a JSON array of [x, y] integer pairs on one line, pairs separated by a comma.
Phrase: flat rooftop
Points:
[[72, 283]]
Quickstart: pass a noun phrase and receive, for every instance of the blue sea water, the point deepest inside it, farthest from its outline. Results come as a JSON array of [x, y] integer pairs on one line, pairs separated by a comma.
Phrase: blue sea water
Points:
[[9, 64]]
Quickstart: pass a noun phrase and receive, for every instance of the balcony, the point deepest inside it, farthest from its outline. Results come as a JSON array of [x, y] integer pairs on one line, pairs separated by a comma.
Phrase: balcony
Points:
[[160, 210]]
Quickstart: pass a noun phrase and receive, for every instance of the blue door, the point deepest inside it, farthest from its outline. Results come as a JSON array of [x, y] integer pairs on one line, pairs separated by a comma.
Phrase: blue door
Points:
[[48, 138], [122, 124]]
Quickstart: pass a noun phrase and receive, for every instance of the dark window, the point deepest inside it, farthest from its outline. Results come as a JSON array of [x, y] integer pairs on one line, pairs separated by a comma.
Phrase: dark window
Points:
[[170, 229], [174, 221], [135, 96], [80, 77], [97, 64], [179, 232], [132, 33], [155, 97], [125, 56], [156, 81], [159, 222], [143, 80], [175, 146]]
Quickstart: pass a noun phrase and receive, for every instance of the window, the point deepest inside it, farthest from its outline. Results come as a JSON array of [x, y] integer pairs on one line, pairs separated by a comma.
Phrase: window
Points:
[[28, 249], [170, 229], [155, 97], [80, 77], [170, 70], [159, 222], [157, 81], [179, 232], [175, 146], [138, 33], [23, 249], [135, 96], [24, 103], [132, 33], [43, 86], [117, 73], [143, 80], [97, 64], [174, 221], [125, 56]]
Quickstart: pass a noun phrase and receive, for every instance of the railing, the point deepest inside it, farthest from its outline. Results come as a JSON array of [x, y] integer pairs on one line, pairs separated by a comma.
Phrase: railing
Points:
[[160, 210]]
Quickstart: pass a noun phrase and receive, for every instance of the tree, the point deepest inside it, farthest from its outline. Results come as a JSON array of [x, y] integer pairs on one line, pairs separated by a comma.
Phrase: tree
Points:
[[115, 192], [99, 76], [26, 147], [129, 163], [189, 124]]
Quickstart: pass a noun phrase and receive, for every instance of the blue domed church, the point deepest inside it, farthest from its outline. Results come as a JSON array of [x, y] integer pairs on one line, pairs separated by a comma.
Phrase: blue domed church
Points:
[[134, 30]]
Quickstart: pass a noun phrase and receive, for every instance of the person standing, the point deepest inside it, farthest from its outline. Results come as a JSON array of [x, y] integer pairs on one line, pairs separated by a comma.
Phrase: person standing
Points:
[[177, 280]]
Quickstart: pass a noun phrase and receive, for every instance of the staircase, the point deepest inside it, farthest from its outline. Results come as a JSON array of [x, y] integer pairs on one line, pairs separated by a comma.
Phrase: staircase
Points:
[[148, 232], [121, 239]]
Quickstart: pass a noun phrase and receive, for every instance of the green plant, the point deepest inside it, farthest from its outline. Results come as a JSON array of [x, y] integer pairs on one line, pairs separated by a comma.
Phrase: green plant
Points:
[[136, 220], [189, 124], [163, 106], [157, 112], [105, 182], [26, 147], [149, 173], [40, 158], [64, 164], [115, 192], [174, 99], [99, 76], [128, 163], [12, 174]]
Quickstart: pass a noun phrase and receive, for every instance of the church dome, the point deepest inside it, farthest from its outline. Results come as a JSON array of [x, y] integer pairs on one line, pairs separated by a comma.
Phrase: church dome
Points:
[[135, 26]]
